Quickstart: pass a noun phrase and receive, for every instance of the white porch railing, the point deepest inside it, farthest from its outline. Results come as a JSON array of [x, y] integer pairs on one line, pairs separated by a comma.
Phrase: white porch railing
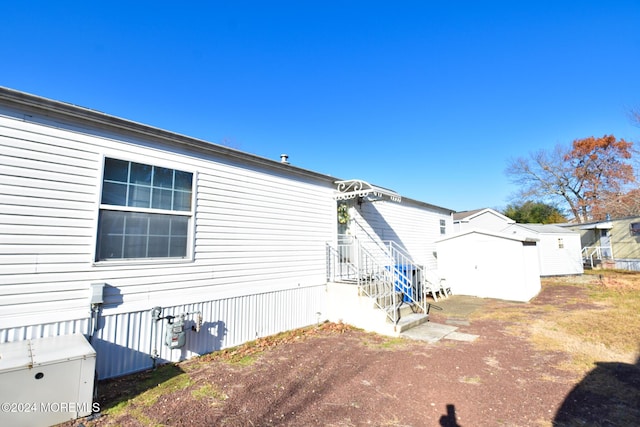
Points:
[[592, 254], [382, 271]]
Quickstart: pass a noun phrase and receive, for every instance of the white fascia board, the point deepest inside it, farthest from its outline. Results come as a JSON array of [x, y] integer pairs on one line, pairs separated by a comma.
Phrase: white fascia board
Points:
[[497, 234]]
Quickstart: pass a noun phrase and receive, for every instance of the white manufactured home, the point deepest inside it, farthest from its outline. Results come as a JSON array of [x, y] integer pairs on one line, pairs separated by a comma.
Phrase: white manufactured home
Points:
[[158, 247], [611, 243]]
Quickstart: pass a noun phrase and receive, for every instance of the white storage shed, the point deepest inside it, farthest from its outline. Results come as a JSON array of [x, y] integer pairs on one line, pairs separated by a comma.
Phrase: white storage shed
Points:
[[490, 264]]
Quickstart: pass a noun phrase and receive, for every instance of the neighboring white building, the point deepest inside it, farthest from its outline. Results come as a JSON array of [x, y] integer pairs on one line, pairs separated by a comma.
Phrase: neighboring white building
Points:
[[559, 248], [486, 218], [490, 264], [103, 219]]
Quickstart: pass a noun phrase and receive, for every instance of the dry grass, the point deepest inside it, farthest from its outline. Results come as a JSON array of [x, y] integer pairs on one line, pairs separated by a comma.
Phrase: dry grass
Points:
[[546, 335], [603, 325], [594, 320]]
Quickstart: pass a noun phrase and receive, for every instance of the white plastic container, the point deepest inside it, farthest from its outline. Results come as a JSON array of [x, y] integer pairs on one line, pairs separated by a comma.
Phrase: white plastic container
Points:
[[46, 381]]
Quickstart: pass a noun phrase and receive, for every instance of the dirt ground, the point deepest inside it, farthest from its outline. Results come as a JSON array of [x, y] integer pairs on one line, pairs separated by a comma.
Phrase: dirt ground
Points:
[[333, 375]]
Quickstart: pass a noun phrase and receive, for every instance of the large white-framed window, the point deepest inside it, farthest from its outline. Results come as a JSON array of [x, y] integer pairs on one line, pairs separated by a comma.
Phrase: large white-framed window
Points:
[[145, 211]]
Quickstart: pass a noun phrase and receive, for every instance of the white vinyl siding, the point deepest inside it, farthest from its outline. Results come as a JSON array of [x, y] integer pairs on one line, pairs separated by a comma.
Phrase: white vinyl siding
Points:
[[559, 250], [255, 230], [414, 227], [556, 260]]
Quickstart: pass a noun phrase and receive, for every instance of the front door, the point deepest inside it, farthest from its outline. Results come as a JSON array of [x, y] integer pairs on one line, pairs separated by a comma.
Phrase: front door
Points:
[[605, 243], [345, 242]]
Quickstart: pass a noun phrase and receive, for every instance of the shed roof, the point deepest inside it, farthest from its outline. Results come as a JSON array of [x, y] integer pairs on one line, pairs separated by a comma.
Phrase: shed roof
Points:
[[540, 228], [496, 234], [469, 215], [458, 216]]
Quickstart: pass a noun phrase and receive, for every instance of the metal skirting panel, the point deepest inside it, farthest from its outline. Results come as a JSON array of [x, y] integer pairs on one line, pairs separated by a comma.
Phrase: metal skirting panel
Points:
[[628, 264], [44, 330], [125, 342]]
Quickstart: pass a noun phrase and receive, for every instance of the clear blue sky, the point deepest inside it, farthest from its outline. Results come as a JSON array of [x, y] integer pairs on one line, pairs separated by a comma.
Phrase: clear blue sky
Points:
[[428, 98]]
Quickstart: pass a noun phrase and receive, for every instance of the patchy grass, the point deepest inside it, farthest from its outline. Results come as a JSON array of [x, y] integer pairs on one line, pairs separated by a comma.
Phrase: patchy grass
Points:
[[208, 391], [164, 380], [131, 397], [248, 353], [160, 378], [596, 323], [600, 324], [176, 383], [475, 380], [383, 342]]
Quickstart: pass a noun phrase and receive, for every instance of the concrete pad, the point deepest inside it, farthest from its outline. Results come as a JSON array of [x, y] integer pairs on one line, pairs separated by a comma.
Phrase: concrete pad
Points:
[[459, 336], [457, 322], [429, 332], [460, 306]]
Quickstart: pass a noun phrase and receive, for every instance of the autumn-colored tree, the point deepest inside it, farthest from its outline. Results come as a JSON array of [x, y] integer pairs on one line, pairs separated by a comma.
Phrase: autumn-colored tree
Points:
[[531, 212], [625, 204], [600, 166], [586, 177]]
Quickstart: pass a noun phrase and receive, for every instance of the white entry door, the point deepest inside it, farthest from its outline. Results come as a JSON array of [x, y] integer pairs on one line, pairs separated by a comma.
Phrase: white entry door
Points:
[[605, 244]]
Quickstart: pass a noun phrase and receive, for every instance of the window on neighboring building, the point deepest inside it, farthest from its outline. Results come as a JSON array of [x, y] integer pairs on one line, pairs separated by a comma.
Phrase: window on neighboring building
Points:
[[145, 211], [443, 226], [560, 243], [635, 228]]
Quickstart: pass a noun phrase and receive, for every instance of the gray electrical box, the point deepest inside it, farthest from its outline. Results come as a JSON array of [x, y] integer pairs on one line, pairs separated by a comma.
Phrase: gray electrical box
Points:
[[46, 381], [97, 290]]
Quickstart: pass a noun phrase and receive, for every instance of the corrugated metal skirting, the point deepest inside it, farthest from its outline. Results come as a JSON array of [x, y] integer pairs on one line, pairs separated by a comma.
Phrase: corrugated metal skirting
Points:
[[628, 264], [125, 342]]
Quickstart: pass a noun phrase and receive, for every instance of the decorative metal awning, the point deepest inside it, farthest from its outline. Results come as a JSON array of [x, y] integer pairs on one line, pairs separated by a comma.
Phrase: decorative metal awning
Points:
[[353, 188]]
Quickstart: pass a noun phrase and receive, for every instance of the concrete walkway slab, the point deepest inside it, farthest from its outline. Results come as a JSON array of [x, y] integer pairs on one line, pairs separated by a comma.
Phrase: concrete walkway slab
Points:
[[429, 332], [458, 322], [459, 336]]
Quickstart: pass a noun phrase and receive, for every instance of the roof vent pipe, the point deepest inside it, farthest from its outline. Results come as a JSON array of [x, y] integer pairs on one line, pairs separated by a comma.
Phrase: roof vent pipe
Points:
[[284, 158]]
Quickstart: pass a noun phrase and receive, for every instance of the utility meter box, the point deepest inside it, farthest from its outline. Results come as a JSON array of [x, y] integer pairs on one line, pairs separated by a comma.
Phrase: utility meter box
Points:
[[46, 381]]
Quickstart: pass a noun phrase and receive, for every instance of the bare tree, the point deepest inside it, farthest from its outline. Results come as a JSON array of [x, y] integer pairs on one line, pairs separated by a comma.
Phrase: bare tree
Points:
[[587, 178], [545, 175]]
